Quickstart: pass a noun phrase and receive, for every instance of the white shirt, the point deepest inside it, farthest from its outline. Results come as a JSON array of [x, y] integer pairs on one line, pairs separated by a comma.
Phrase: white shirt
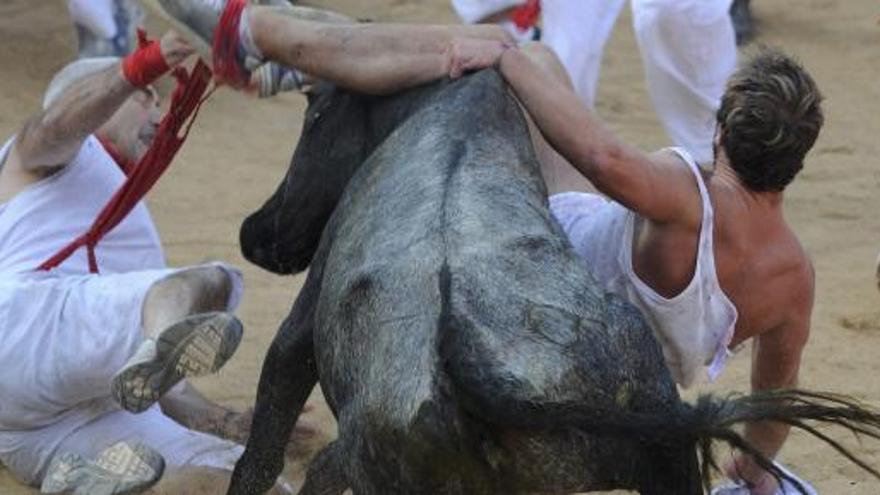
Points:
[[51, 213], [696, 326]]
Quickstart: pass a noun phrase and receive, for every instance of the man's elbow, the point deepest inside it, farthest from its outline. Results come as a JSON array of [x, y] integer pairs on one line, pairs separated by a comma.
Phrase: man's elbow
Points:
[[602, 164], [41, 148]]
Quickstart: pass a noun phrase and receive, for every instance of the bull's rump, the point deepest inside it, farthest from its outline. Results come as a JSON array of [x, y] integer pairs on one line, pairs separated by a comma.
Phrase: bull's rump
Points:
[[456, 181], [445, 264]]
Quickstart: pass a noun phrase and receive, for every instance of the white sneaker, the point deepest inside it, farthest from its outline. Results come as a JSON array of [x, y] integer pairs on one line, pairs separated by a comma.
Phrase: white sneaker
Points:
[[123, 468], [195, 346], [787, 488]]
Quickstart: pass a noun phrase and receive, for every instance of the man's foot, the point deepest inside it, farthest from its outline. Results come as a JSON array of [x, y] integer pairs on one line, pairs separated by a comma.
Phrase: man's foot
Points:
[[212, 27], [741, 15], [122, 468], [195, 346]]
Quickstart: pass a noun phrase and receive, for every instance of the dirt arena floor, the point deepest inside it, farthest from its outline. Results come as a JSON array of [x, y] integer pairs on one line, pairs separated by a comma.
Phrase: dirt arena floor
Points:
[[239, 150]]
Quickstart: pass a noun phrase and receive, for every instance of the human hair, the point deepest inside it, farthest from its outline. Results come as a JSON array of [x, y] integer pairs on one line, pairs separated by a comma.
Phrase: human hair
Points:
[[770, 117], [73, 73]]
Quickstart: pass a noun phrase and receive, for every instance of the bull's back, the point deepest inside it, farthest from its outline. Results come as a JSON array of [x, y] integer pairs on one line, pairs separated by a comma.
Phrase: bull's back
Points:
[[445, 261], [393, 231]]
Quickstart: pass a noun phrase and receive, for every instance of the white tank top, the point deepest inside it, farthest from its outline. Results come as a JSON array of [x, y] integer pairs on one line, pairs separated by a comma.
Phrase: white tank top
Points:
[[696, 326], [51, 213]]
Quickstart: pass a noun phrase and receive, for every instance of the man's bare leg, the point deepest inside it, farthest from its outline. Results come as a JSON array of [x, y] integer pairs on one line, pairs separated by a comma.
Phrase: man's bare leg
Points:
[[559, 175], [371, 58], [196, 290]]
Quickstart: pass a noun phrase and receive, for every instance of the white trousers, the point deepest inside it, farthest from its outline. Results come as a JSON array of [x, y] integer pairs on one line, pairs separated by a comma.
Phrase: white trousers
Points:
[[63, 339], [688, 48], [94, 15]]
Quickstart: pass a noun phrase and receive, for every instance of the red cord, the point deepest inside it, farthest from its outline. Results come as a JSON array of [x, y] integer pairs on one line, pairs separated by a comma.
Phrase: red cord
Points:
[[227, 69], [526, 15], [186, 100], [146, 64]]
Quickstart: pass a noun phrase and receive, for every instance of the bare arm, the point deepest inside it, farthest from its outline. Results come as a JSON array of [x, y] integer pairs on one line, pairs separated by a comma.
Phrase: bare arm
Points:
[[186, 405], [51, 138], [656, 186], [776, 359], [189, 407], [373, 58]]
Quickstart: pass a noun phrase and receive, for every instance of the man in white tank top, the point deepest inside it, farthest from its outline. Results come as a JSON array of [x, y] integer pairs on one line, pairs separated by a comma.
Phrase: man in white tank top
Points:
[[92, 384], [710, 260]]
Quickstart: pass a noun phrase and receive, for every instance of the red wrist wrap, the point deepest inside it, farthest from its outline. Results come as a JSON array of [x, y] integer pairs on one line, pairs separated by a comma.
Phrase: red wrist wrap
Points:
[[146, 64], [526, 15], [227, 69]]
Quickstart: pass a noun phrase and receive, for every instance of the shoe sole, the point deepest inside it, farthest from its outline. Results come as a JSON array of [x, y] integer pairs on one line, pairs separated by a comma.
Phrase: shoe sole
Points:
[[196, 346], [121, 470]]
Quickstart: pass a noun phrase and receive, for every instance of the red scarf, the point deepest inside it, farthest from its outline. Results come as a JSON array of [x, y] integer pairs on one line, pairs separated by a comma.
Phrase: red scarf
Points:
[[122, 162]]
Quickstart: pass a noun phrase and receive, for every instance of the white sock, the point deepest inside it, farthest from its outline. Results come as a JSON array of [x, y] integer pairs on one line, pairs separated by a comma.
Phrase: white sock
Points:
[[246, 38]]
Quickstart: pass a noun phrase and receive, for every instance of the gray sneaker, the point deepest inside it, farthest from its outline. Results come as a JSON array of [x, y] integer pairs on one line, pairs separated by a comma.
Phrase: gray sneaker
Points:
[[123, 468], [195, 346], [271, 78]]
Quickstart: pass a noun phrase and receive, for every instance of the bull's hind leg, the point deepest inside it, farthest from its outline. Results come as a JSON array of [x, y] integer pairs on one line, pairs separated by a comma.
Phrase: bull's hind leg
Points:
[[326, 475], [288, 377]]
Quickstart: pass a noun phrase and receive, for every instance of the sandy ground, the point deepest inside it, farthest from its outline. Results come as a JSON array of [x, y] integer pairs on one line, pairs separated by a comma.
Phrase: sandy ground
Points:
[[240, 148]]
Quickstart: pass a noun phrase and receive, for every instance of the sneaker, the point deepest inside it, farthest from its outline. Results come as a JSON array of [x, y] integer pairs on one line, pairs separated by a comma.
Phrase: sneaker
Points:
[[123, 468], [211, 26], [195, 346], [741, 15], [271, 78]]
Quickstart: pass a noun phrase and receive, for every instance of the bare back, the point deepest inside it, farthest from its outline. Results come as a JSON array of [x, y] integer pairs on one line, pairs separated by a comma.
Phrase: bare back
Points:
[[761, 265], [759, 261]]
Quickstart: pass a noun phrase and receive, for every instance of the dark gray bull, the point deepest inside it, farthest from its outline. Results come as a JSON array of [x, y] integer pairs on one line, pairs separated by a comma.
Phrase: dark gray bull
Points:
[[459, 341]]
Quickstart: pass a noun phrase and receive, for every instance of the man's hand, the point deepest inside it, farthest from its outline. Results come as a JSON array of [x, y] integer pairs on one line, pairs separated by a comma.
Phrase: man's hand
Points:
[[743, 468], [175, 48], [469, 54]]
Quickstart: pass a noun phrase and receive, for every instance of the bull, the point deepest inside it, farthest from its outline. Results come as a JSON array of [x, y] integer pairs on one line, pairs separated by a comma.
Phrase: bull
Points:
[[459, 341]]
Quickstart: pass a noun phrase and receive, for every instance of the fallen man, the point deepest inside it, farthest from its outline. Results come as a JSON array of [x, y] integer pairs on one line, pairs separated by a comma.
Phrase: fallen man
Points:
[[82, 352]]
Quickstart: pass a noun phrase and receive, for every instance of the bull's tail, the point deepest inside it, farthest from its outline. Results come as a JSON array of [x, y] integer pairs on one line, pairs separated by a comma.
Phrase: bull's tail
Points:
[[713, 419], [708, 421], [701, 425]]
